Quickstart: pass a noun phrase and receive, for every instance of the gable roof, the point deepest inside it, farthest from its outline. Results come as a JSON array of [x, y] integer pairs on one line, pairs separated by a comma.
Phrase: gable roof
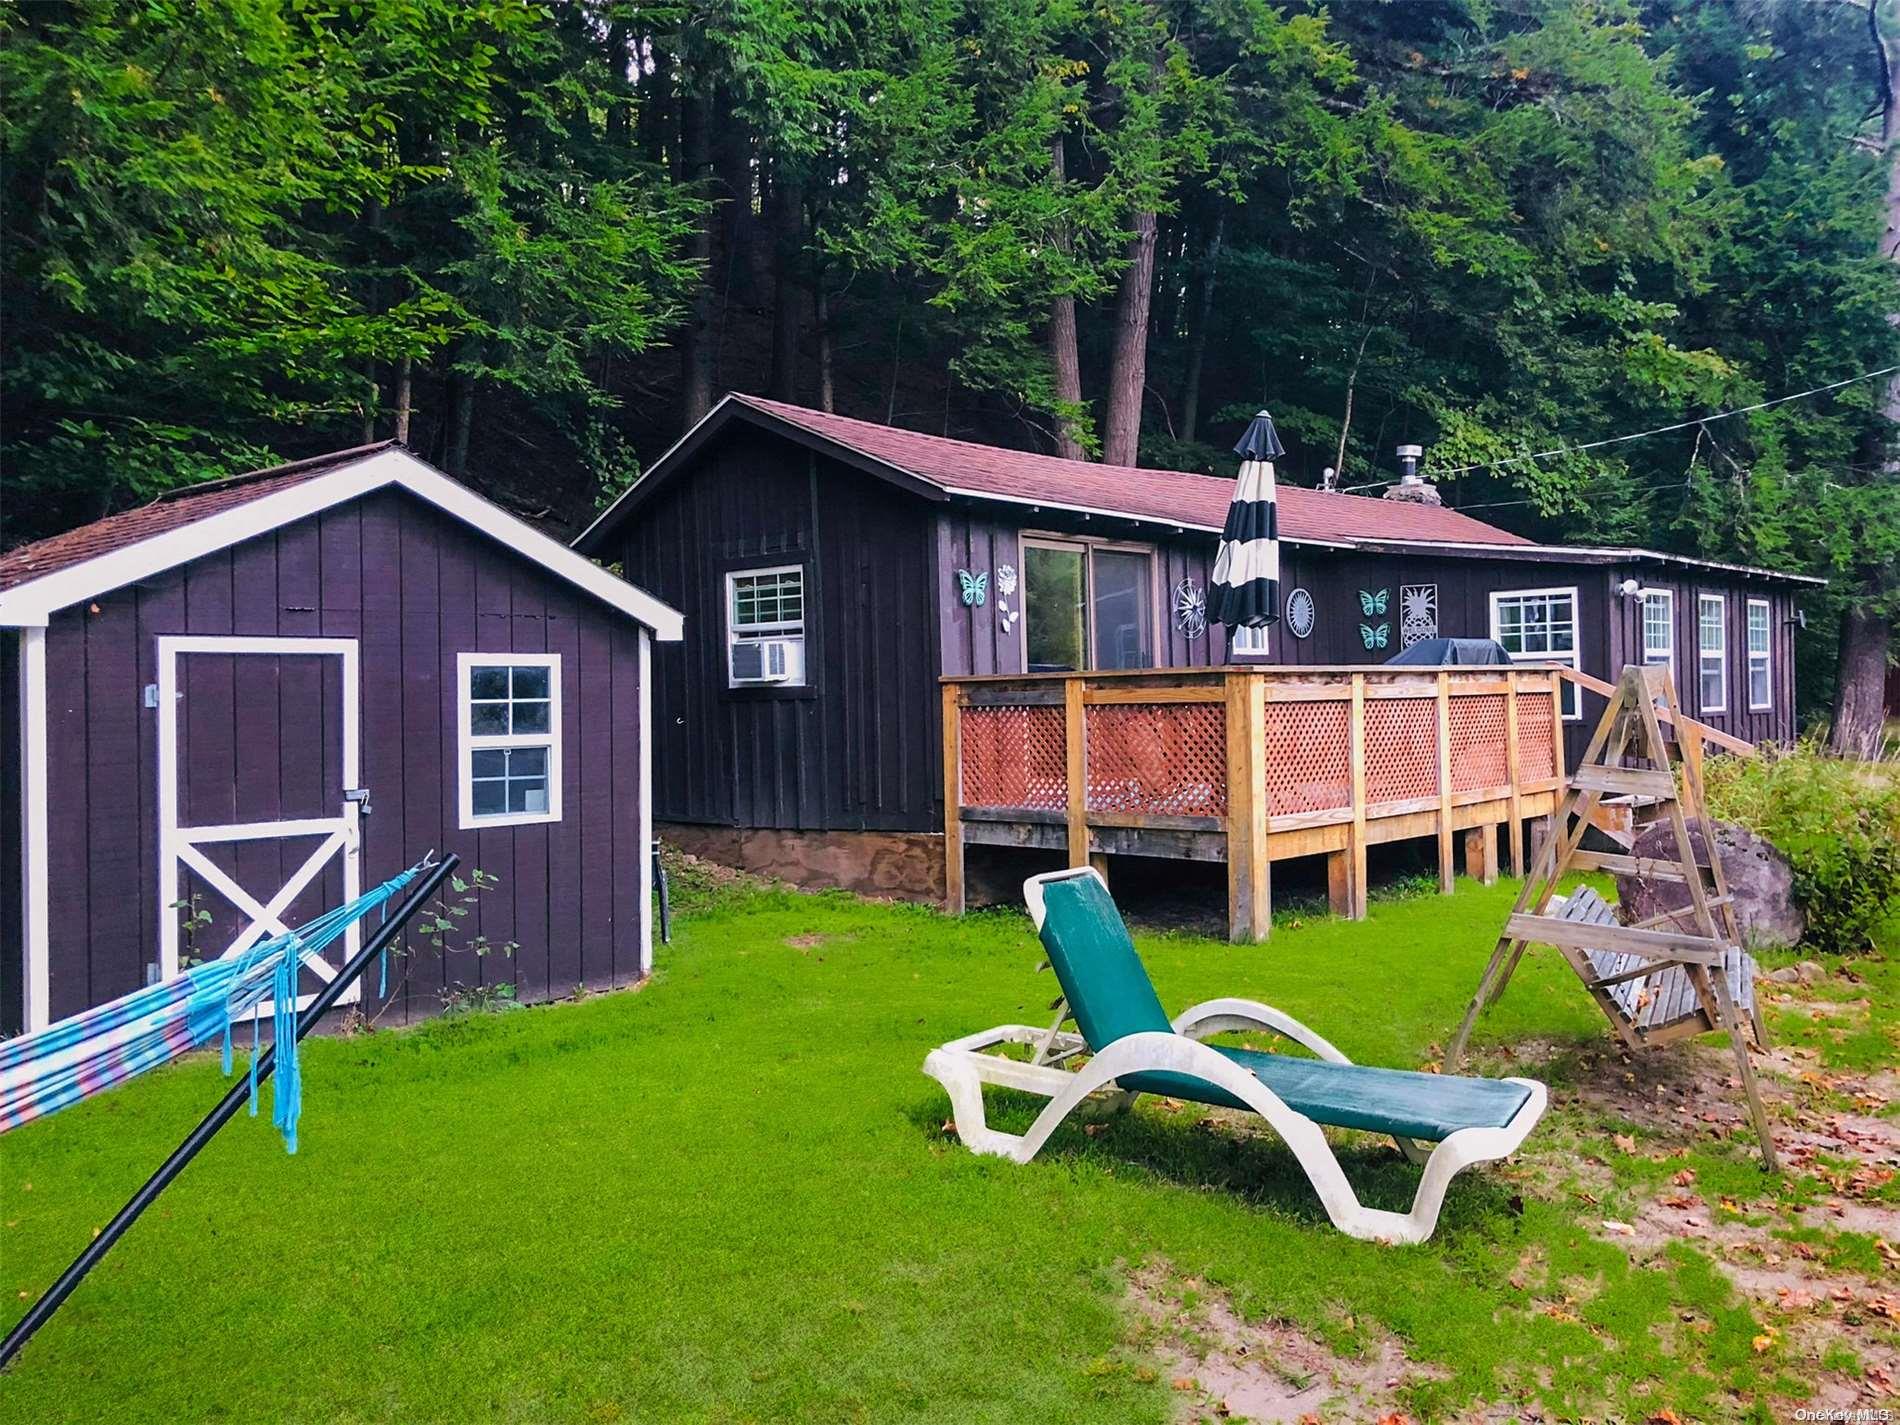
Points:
[[940, 468], [50, 574]]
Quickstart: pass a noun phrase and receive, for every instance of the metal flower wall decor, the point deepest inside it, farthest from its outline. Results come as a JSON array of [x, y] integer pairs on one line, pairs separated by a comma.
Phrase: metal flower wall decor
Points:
[[1190, 609]]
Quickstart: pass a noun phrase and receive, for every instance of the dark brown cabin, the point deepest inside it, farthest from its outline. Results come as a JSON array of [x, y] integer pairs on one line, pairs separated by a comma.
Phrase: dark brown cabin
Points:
[[229, 709], [832, 570]]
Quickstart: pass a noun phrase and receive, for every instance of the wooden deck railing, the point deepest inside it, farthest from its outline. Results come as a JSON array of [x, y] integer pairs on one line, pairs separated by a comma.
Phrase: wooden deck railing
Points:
[[1250, 766]]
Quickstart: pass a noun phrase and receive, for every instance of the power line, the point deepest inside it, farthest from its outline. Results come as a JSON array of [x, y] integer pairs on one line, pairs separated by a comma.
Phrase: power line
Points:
[[1642, 434]]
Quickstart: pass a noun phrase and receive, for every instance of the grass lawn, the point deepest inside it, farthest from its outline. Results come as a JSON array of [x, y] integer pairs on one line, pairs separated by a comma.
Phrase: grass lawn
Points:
[[729, 1197]]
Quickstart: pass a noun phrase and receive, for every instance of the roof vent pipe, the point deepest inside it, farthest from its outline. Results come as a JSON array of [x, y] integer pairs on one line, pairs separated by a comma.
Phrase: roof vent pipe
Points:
[[1412, 486]]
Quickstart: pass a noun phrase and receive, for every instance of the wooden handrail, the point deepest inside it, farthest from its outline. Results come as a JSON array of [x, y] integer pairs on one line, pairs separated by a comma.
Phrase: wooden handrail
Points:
[[1721, 739]]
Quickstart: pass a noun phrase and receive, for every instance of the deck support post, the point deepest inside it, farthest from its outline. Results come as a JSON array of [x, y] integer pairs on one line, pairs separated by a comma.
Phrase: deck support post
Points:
[[953, 893], [1356, 828], [1481, 853], [1249, 898], [1516, 822], [1339, 883], [1446, 867], [1075, 731]]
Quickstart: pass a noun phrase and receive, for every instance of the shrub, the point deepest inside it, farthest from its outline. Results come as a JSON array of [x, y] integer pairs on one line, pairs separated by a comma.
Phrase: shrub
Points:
[[1837, 822]]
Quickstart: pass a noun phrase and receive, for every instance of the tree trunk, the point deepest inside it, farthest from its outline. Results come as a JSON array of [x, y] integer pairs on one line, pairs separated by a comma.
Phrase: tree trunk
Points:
[[1064, 357], [1200, 318], [1128, 360], [788, 287], [1866, 630], [696, 336], [461, 421], [1860, 685], [821, 302], [740, 264], [405, 388]]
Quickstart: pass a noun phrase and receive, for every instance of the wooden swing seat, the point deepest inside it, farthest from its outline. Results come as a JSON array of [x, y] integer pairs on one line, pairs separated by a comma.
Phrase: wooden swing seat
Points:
[[1657, 1004]]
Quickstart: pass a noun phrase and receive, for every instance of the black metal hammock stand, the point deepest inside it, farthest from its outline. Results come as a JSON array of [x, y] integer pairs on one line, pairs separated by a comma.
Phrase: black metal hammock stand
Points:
[[420, 894]]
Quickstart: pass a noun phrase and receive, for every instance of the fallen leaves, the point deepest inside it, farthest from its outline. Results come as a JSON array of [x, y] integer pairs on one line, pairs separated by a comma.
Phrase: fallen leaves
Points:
[[1766, 1341], [1618, 1229], [1625, 1143]]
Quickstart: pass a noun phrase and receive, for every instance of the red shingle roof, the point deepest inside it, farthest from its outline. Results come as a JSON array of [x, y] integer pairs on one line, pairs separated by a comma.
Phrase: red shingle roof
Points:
[[1164, 495], [168, 512]]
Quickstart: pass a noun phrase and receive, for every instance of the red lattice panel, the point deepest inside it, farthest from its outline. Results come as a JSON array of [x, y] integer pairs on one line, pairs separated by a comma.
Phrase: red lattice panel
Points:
[[1164, 759], [1015, 757], [1309, 757], [1536, 751], [1401, 749], [1478, 754]]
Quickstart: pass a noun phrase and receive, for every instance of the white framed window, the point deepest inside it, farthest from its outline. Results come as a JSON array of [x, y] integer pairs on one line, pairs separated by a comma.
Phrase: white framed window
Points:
[[1760, 669], [1087, 603], [509, 768], [1711, 642], [1659, 628], [1540, 626], [1248, 640], [765, 627]]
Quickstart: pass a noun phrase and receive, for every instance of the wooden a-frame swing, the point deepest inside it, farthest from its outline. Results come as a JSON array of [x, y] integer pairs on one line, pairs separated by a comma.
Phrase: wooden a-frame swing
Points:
[[1677, 974]]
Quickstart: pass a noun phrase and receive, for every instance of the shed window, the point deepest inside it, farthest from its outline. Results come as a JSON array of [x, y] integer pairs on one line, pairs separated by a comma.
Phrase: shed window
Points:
[[1540, 626], [510, 760], [1659, 628], [1712, 651], [1760, 679], [765, 627]]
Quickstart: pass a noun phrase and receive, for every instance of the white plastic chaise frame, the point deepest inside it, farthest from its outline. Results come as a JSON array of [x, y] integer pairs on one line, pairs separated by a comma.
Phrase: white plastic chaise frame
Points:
[[964, 1065]]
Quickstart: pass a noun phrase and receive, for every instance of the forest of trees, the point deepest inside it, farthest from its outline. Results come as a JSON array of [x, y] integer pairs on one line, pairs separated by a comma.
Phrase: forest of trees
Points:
[[537, 240]]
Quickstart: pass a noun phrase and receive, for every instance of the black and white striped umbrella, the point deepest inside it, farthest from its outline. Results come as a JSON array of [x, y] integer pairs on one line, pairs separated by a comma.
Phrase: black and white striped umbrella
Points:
[[1246, 580]]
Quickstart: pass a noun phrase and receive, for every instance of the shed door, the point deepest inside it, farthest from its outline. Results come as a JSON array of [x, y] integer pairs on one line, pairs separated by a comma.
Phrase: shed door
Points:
[[257, 745]]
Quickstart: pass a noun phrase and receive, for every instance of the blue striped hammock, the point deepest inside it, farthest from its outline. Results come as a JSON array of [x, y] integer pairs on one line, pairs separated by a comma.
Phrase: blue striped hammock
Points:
[[60, 1065]]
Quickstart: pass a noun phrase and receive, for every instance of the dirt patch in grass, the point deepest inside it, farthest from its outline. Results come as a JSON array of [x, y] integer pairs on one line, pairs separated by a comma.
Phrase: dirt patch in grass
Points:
[[1663, 1139], [1224, 1367]]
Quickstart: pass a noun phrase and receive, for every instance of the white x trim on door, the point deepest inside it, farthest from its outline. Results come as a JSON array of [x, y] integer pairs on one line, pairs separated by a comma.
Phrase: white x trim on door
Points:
[[178, 845]]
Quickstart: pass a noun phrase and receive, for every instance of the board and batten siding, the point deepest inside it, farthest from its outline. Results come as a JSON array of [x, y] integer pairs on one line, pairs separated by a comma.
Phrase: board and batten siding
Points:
[[857, 747], [415, 589], [1775, 723]]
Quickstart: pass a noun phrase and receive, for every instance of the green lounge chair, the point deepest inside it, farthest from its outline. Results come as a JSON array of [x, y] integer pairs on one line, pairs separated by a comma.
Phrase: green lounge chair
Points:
[[1135, 1049]]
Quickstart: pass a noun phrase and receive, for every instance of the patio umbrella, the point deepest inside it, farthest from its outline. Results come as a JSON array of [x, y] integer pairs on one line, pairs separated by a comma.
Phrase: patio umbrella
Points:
[[1246, 580]]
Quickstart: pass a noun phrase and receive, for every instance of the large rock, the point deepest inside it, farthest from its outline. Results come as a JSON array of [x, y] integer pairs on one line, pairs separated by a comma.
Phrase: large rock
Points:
[[1759, 878]]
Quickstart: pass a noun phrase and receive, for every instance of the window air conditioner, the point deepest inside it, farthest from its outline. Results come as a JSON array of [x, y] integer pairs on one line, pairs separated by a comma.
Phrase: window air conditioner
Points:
[[765, 660]]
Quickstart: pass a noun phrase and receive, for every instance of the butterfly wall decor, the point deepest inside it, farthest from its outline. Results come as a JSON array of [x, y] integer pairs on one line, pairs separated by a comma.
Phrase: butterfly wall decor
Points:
[[1375, 636], [1372, 604], [975, 588]]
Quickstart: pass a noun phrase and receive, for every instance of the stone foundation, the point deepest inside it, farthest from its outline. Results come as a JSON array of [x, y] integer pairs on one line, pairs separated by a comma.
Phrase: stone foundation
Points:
[[904, 864]]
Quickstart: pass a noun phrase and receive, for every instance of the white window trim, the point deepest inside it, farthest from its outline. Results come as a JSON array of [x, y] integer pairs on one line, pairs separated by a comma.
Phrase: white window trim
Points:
[[1719, 652], [1766, 657], [1265, 649], [1667, 653], [465, 665], [755, 632], [1088, 546], [1573, 659]]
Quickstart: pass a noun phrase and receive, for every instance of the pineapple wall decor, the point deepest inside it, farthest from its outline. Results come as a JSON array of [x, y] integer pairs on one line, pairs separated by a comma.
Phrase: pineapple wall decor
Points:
[[1418, 613]]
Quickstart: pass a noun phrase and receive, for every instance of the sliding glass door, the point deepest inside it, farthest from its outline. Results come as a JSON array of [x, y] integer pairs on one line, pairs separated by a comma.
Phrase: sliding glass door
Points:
[[1087, 606]]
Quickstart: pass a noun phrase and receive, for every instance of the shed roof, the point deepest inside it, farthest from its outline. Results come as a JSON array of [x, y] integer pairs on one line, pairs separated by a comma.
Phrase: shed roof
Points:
[[50, 574], [939, 468]]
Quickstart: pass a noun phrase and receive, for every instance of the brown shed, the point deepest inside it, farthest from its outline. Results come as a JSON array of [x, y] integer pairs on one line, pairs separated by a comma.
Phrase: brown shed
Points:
[[229, 709]]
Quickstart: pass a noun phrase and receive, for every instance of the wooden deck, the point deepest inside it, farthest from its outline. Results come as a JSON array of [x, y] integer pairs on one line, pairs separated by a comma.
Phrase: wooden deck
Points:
[[1250, 766]]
